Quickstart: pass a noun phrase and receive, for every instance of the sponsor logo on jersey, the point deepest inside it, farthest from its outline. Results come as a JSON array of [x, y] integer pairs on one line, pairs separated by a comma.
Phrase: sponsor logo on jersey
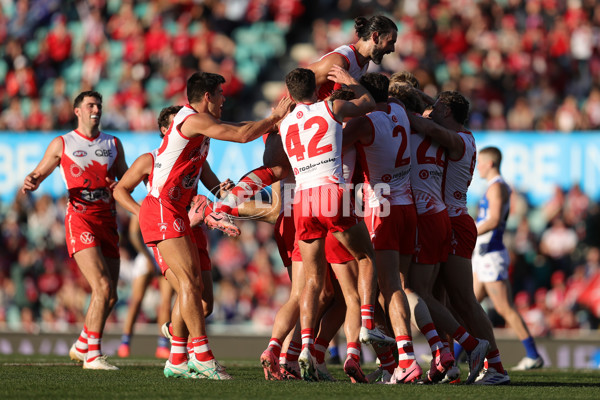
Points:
[[80, 153], [188, 181], [158, 165], [296, 172], [87, 238], [179, 225], [175, 193], [386, 178], [162, 226], [423, 174], [103, 153]]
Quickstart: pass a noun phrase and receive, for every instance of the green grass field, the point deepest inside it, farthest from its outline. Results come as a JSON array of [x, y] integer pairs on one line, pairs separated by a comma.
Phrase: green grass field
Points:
[[40, 377]]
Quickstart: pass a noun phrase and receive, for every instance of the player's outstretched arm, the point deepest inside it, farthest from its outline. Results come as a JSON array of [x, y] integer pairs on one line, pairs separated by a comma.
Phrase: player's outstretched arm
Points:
[[48, 163], [447, 138], [363, 103], [140, 169], [210, 181], [207, 125]]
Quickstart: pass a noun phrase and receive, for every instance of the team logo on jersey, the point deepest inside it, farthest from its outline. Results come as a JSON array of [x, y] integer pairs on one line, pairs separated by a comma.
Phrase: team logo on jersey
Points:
[[75, 170], [175, 193], [80, 153], [394, 118], [386, 178], [188, 181], [87, 238], [458, 195], [299, 114], [423, 174], [179, 225]]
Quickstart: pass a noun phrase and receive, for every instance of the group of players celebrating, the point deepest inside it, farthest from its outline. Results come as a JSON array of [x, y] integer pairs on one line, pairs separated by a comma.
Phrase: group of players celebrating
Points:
[[405, 261]]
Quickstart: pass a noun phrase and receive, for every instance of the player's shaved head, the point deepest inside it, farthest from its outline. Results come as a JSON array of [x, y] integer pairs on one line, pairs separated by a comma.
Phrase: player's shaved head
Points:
[[494, 154]]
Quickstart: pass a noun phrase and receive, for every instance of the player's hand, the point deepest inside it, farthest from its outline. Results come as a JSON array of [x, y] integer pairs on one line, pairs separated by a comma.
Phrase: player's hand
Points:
[[339, 75], [111, 183], [225, 187], [31, 182], [283, 108]]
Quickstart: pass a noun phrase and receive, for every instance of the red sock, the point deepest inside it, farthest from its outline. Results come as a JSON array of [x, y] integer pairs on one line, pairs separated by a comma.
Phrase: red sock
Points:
[[179, 353], [493, 360], [406, 353], [248, 186], [433, 338], [367, 315], [293, 351], [353, 350], [275, 346], [282, 358], [82, 341], [320, 349], [308, 339], [467, 341], [201, 349], [94, 344], [386, 358]]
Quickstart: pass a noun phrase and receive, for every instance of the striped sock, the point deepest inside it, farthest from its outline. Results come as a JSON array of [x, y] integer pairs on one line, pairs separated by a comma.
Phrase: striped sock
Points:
[[353, 350], [293, 351], [406, 353], [467, 341], [201, 348], [320, 349], [94, 344], [282, 358], [275, 346], [386, 358], [82, 341], [493, 360], [308, 339], [433, 339], [190, 350], [179, 352], [367, 315], [248, 186]]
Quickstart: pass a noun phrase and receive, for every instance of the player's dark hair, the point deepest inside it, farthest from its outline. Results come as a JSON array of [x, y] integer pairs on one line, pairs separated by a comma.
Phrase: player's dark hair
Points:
[[378, 23], [301, 83], [494, 154], [342, 94], [88, 93], [163, 117], [200, 83], [377, 85], [407, 95], [405, 77], [457, 103]]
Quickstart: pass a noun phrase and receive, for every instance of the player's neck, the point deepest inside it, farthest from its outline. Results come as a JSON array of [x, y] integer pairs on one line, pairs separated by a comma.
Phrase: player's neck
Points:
[[493, 174], [363, 52], [88, 132]]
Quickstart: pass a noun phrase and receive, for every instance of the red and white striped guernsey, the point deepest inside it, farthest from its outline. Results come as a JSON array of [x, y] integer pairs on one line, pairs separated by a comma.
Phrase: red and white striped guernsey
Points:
[[386, 160], [177, 163], [85, 164]]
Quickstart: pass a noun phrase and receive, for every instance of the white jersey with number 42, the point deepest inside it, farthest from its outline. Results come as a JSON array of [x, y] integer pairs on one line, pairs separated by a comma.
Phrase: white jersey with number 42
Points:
[[312, 139]]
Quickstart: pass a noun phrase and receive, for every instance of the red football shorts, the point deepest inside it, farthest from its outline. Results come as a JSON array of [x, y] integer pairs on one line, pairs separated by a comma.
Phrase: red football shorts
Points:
[[199, 238], [393, 232], [84, 231], [285, 233], [335, 252], [464, 236], [160, 220], [322, 209], [433, 238]]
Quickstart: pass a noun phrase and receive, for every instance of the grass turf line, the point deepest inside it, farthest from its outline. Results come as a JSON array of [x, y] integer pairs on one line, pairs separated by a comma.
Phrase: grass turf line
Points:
[[47, 377]]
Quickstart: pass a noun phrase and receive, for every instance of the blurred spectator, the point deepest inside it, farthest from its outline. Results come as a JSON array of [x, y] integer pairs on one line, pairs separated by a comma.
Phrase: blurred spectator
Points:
[[59, 42], [558, 243]]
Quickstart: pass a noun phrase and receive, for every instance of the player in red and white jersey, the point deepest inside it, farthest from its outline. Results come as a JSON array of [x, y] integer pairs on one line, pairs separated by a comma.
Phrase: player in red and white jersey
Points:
[[312, 140], [376, 37], [382, 139], [446, 127], [90, 161], [163, 216]]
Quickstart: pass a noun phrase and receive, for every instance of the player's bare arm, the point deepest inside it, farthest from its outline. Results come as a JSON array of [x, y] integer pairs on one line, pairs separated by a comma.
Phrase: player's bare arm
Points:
[[357, 130], [274, 156], [363, 103], [495, 200], [322, 67], [207, 125], [140, 169], [210, 180], [447, 138], [48, 163]]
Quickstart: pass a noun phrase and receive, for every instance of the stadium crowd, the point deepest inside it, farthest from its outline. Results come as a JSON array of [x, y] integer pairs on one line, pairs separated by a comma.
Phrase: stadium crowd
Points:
[[526, 65]]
